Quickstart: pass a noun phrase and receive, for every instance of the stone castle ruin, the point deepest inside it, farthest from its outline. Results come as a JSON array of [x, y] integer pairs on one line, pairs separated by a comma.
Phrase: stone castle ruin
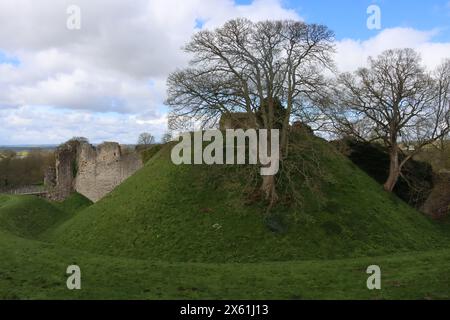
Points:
[[93, 171], [235, 120]]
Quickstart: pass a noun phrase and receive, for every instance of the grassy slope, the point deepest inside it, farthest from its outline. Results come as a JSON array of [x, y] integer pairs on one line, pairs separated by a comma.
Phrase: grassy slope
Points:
[[167, 213], [198, 214], [36, 270], [30, 217]]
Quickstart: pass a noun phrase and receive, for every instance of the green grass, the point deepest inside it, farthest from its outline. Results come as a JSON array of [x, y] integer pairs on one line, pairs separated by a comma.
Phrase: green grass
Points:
[[36, 270], [29, 216], [199, 214], [190, 232], [147, 154]]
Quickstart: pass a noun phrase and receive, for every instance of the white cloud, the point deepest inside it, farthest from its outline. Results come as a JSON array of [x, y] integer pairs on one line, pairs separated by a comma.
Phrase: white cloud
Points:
[[107, 80], [352, 54], [117, 62], [28, 124]]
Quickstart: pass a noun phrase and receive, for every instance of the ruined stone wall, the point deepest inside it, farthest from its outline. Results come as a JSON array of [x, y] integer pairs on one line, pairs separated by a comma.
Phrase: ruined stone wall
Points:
[[236, 120], [92, 171], [102, 169], [64, 171]]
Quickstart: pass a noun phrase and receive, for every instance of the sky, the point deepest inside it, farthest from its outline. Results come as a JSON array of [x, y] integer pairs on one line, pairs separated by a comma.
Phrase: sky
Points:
[[106, 80]]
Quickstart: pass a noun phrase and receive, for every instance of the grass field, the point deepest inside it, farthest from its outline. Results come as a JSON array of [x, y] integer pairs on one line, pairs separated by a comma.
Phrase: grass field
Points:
[[36, 270], [190, 232]]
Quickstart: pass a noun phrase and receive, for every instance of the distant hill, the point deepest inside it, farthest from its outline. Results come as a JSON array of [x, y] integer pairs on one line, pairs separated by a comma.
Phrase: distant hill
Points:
[[18, 148]]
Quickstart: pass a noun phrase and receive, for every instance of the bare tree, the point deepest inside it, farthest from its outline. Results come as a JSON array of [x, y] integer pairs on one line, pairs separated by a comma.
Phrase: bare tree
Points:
[[248, 67], [167, 137], [442, 76], [395, 101], [145, 139]]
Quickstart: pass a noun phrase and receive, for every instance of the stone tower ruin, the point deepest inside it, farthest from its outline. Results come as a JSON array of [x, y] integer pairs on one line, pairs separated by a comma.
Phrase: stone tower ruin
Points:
[[93, 171]]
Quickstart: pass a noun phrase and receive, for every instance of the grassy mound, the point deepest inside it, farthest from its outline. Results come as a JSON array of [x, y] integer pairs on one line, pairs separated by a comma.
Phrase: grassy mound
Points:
[[30, 216], [202, 214], [148, 153], [190, 221]]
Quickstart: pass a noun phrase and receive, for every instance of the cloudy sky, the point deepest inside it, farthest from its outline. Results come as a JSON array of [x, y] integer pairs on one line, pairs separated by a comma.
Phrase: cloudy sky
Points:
[[106, 80]]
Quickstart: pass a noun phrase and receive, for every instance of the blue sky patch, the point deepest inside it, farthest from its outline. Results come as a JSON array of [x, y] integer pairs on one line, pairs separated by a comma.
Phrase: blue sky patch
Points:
[[7, 59], [348, 18]]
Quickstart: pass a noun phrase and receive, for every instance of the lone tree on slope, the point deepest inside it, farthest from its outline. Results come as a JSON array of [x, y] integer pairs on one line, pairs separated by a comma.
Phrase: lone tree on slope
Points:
[[395, 101], [245, 67]]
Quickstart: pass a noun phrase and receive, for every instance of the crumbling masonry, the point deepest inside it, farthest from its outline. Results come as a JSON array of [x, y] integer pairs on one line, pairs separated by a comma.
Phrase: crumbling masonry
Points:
[[91, 171]]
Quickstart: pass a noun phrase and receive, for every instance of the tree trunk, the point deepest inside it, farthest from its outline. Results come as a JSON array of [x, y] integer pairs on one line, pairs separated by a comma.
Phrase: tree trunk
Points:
[[394, 170], [268, 188]]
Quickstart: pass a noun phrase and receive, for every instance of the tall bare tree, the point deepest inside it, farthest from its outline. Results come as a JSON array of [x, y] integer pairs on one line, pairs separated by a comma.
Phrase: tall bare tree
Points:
[[396, 101], [248, 67], [442, 77]]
